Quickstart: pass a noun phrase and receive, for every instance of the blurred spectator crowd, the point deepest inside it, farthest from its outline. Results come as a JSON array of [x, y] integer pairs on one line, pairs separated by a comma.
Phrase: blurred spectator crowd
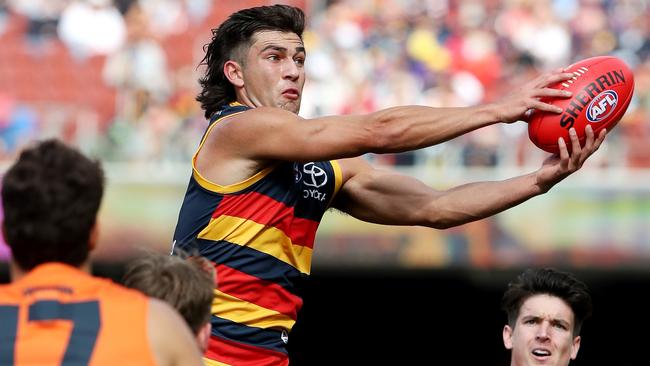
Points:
[[118, 77]]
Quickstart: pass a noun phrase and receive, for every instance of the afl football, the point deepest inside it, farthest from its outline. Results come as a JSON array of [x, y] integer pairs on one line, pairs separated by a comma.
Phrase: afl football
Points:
[[601, 88]]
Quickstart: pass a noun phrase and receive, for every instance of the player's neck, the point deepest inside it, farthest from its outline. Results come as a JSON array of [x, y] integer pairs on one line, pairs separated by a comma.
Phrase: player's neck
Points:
[[246, 101]]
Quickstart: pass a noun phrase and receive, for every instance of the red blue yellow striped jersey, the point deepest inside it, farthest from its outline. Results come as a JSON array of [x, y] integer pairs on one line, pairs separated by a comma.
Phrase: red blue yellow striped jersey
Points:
[[259, 234]]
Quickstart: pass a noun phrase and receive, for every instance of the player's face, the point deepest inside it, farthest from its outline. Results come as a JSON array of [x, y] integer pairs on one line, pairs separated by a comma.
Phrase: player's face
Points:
[[274, 72], [543, 333]]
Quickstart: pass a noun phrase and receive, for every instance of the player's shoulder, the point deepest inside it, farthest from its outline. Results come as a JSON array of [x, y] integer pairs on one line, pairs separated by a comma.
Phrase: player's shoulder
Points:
[[160, 308], [170, 337], [164, 322], [58, 279], [249, 125]]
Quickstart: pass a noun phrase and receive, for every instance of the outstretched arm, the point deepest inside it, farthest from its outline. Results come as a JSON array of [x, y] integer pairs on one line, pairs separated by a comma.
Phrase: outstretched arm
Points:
[[389, 198], [243, 144], [265, 134]]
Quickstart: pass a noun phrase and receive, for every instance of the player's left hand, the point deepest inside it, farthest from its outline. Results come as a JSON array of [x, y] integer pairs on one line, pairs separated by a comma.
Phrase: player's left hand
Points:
[[559, 166]]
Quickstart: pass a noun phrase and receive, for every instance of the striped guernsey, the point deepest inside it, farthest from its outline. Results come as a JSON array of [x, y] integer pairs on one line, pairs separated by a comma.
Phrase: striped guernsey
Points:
[[259, 234]]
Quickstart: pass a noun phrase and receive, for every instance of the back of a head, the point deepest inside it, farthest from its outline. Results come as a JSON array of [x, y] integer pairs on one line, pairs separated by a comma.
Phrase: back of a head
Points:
[[552, 282], [231, 41], [185, 284], [50, 198]]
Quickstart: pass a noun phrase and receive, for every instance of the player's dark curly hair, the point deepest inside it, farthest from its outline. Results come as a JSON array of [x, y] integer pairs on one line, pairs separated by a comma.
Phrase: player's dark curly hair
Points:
[[50, 198], [232, 40], [552, 282]]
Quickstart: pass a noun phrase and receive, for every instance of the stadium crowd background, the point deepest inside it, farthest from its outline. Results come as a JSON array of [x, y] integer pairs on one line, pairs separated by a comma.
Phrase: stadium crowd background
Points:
[[118, 79]]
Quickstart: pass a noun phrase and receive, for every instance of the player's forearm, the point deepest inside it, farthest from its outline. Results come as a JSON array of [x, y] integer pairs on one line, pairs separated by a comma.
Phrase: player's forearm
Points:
[[389, 198], [475, 201], [413, 127]]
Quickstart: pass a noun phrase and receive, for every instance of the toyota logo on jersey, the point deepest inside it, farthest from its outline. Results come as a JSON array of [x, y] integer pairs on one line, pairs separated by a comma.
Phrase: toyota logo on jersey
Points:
[[314, 175]]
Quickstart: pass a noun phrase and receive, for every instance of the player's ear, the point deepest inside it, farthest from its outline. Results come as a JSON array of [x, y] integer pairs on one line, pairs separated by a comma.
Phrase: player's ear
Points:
[[507, 337], [233, 72], [575, 347], [203, 336]]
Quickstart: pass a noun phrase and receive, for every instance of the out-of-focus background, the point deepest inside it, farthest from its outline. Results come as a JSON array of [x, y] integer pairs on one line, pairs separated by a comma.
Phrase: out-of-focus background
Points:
[[117, 78]]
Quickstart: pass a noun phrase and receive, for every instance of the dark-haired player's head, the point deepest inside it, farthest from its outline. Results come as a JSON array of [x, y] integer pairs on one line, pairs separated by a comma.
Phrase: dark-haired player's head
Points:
[[232, 62], [187, 284], [50, 197], [546, 309]]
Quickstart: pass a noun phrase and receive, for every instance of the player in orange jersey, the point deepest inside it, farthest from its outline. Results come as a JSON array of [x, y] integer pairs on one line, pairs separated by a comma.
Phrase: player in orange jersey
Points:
[[54, 312], [187, 284]]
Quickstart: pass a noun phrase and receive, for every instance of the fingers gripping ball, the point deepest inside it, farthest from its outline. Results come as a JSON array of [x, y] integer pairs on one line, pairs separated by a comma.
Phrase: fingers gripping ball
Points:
[[602, 89]]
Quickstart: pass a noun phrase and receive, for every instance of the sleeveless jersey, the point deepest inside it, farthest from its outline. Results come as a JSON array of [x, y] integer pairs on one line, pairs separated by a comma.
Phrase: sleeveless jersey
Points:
[[259, 234], [59, 315]]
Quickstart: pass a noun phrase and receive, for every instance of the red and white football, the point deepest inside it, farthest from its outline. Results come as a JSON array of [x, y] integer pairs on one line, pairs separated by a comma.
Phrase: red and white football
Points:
[[602, 90]]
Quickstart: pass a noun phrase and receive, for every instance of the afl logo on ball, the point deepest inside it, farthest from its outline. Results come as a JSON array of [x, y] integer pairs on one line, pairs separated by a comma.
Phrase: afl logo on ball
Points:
[[602, 106]]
